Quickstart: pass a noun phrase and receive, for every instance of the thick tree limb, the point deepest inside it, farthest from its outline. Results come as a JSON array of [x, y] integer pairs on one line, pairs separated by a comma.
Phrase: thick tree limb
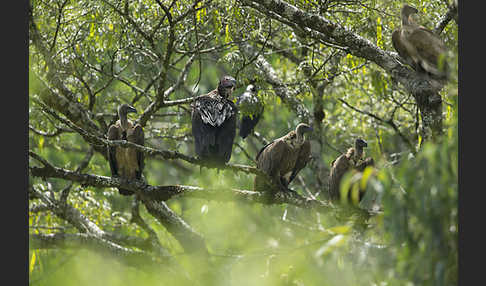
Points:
[[153, 194]]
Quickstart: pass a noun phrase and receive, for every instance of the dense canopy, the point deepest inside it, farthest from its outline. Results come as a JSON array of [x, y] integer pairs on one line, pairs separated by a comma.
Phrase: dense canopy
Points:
[[329, 64]]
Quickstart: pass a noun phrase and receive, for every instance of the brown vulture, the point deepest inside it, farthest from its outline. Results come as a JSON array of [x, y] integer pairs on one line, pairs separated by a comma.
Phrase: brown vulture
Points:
[[345, 162], [214, 123], [420, 47], [126, 163], [283, 158], [251, 110]]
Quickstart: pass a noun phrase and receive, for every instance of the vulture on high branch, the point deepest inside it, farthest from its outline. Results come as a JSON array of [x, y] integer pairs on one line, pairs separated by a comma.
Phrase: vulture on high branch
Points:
[[126, 163], [344, 163], [283, 158], [251, 108], [214, 124], [420, 47]]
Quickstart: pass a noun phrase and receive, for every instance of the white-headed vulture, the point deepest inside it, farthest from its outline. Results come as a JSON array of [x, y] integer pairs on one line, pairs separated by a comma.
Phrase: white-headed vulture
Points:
[[283, 158], [346, 162], [251, 110], [214, 123], [420, 47], [126, 163]]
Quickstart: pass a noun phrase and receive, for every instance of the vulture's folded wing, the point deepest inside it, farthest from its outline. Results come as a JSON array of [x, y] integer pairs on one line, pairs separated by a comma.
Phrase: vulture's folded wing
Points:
[[226, 135], [213, 111], [204, 135], [430, 49], [302, 160], [401, 47], [113, 134], [341, 165], [273, 156], [139, 138]]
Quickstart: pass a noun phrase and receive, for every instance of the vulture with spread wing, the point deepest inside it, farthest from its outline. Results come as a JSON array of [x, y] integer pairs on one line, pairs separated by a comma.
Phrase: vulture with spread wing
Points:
[[126, 163], [251, 108], [283, 158], [345, 162], [420, 47], [214, 123]]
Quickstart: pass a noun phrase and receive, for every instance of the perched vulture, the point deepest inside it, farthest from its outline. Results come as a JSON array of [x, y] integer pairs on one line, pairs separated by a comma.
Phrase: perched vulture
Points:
[[283, 158], [345, 162], [420, 47], [251, 108], [214, 123], [126, 162]]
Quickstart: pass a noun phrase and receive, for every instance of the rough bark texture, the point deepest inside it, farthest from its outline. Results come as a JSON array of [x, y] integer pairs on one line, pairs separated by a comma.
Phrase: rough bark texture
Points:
[[155, 194]]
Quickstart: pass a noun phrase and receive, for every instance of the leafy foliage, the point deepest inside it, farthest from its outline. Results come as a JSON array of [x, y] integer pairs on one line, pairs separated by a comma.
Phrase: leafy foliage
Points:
[[157, 54]]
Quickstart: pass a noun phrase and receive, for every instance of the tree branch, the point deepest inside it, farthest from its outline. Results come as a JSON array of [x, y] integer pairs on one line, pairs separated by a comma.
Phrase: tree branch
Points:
[[267, 71], [135, 258], [451, 14], [384, 122], [159, 102], [152, 194]]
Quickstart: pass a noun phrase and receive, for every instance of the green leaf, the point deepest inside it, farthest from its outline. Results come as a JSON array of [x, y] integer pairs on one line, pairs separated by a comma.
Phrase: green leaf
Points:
[[32, 262]]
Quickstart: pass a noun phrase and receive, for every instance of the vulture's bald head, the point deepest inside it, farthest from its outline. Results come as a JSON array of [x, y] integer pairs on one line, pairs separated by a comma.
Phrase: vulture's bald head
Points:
[[301, 129], [407, 10], [360, 143], [226, 86], [124, 109]]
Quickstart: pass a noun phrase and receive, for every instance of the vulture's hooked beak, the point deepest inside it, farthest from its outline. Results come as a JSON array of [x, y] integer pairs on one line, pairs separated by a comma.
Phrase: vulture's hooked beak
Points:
[[229, 83], [360, 143], [131, 109]]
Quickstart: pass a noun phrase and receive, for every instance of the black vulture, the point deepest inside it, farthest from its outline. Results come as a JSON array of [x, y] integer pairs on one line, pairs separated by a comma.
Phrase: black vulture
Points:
[[420, 47], [126, 163], [283, 158], [352, 159], [251, 109], [214, 123]]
